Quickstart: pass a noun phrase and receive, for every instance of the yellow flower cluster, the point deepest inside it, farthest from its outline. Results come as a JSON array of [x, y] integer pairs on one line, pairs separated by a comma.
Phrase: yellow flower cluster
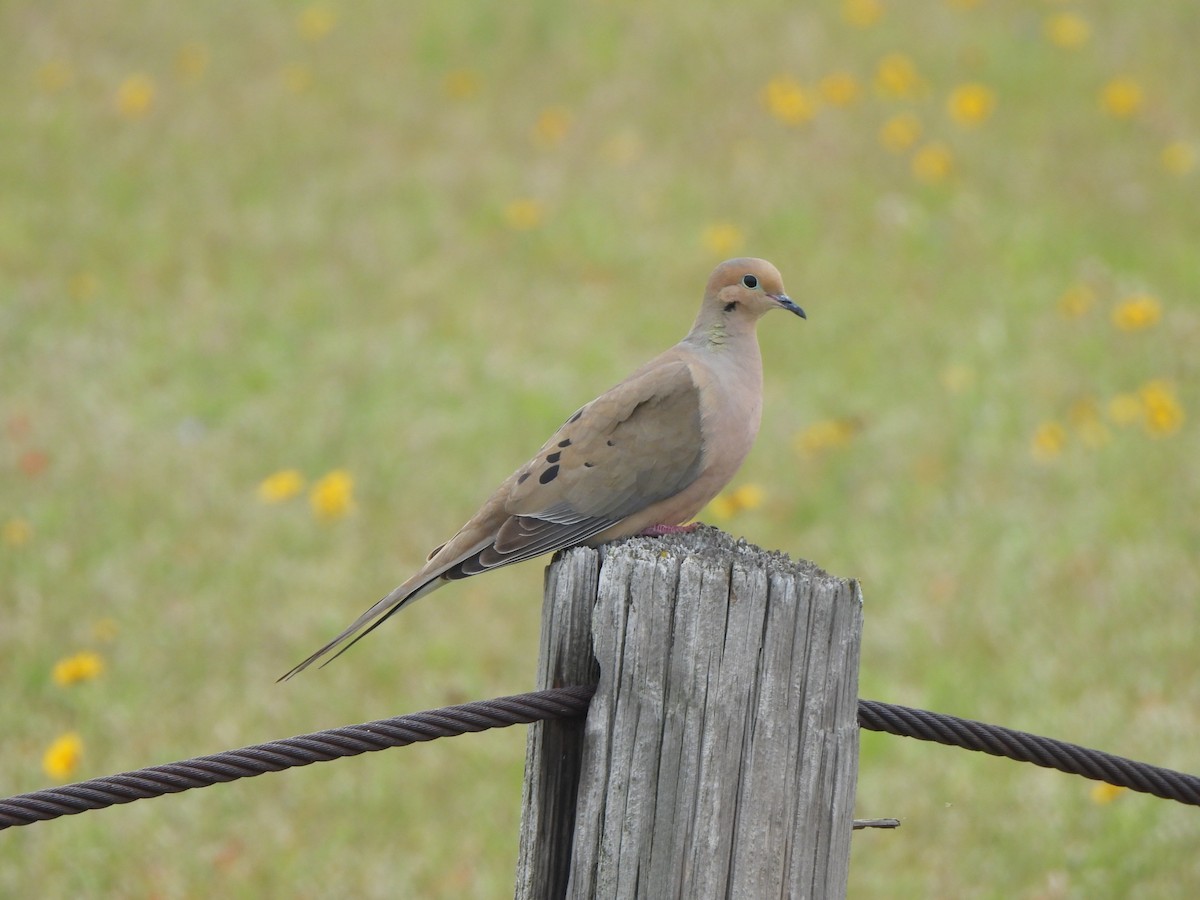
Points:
[[62, 757], [896, 78], [1122, 97], [1162, 413], [1137, 312], [83, 666], [1067, 30], [331, 496], [1104, 793], [1154, 406], [730, 503], [900, 132], [933, 162], [1179, 157], [280, 486], [789, 101], [971, 104], [135, 96]]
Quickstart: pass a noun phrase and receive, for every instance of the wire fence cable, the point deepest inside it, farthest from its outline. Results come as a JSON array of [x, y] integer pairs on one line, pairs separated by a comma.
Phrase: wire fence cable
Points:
[[559, 703]]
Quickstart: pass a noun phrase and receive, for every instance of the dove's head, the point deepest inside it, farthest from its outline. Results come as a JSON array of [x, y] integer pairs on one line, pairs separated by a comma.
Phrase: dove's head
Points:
[[739, 292]]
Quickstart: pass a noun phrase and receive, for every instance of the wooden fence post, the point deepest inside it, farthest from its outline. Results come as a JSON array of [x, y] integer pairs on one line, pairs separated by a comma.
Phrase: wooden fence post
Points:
[[721, 749]]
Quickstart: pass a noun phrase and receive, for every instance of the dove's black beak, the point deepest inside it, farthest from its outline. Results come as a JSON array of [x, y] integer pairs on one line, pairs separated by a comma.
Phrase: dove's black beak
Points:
[[786, 302]]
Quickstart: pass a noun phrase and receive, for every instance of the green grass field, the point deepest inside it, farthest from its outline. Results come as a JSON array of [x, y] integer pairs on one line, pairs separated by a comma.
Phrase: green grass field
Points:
[[405, 242]]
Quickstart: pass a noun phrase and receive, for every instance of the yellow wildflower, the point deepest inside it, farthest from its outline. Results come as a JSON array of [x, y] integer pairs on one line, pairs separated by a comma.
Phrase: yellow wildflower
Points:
[[1179, 157], [79, 667], [722, 238], [280, 486], [460, 84], [722, 508], [1067, 30], [1121, 97], [16, 532], [862, 13], [1048, 441], [788, 101], [900, 132], [191, 61], [62, 757], [297, 78], [1125, 408], [1104, 793], [135, 96], [1137, 312], [523, 214], [55, 76], [839, 89], [825, 435], [896, 77], [749, 496], [971, 104], [332, 496], [1076, 301], [1162, 412], [933, 162], [316, 21], [551, 127], [730, 503]]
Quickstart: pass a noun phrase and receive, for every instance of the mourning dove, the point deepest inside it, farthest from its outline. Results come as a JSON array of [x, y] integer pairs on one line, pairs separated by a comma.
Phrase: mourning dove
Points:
[[643, 457]]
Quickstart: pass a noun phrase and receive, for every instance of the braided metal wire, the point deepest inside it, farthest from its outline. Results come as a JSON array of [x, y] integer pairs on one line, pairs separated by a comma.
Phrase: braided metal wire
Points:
[[303, 750], [1025, 747], [559, 703]]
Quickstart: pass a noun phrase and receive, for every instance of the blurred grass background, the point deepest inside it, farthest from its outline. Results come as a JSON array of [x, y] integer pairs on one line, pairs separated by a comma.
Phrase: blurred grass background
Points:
[[398, 244]]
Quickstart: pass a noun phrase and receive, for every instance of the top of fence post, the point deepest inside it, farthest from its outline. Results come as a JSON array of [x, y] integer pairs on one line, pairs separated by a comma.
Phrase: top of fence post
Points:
[[721, 747]]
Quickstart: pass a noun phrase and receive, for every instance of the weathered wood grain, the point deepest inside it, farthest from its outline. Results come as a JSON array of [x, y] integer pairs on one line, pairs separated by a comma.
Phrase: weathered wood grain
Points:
[[720, 751], [554, 749]]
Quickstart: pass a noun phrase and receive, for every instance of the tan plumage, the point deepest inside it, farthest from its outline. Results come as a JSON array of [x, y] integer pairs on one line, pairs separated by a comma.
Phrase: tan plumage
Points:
[[651, 451]]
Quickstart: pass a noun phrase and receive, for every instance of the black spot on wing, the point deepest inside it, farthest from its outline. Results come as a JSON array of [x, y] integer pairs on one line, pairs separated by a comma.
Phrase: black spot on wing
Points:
[[549, 475], [523, 476], [565, 443], [554, 457]]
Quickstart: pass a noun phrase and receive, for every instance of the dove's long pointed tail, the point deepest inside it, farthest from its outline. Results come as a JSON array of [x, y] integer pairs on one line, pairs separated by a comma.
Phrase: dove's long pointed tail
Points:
[[370, 620]]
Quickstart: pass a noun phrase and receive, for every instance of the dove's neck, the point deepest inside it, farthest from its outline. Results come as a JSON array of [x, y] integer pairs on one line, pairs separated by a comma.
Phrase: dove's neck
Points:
[[730, 348], [716, 329]]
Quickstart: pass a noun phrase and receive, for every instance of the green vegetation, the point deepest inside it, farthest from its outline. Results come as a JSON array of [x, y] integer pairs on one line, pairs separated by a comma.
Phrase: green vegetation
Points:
[[404, 241]]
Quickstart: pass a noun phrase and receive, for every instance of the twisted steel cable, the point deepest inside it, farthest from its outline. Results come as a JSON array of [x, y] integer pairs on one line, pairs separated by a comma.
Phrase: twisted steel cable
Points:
[[560, 703], [1025, 747], [303, 750]]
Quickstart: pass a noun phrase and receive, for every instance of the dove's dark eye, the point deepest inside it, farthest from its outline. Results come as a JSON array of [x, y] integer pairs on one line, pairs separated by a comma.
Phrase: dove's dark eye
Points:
[[750, 281]]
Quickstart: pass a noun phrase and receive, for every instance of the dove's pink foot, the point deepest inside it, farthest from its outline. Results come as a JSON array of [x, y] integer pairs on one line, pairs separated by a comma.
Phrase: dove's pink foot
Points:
[[660, 530]]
